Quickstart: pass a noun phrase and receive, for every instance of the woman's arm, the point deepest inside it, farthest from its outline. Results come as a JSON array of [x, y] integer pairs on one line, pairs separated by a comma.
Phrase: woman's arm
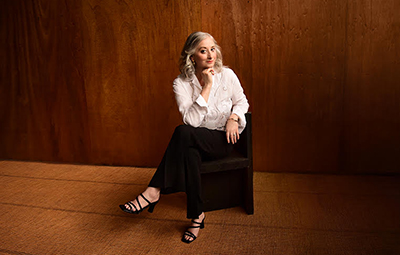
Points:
[[240, 104], [236, 121], [193, 112]]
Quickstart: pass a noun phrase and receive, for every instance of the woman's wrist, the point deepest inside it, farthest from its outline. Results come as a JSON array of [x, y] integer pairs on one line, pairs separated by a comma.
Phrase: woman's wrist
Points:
[[233, 119]]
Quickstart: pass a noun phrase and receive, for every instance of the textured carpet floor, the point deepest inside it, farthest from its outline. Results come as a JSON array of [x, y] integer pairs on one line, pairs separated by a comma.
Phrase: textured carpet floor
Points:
[[73, 209]]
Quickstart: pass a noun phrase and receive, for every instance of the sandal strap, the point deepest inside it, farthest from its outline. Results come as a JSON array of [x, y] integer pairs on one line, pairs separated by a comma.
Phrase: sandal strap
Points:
[[190, 234], [137, 199], [130, 204], [145, 199], [194, 227], [197, 222]]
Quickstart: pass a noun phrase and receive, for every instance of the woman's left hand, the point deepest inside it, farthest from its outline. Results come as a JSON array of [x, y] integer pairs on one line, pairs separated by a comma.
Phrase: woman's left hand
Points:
[[232, 129]]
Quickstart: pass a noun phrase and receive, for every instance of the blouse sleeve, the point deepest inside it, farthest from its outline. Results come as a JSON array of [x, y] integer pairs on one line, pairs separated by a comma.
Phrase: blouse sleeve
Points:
[[193, 112]]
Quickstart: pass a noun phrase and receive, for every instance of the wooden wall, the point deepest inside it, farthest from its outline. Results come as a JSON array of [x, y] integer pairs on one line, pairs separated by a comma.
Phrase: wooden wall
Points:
[[89, 81]]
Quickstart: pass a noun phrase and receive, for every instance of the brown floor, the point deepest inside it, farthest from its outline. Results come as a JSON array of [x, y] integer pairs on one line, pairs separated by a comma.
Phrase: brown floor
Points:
[[73, 209]]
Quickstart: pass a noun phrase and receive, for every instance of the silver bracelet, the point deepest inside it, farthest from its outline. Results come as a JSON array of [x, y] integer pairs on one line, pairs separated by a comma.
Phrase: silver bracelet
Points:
[[237, 120]]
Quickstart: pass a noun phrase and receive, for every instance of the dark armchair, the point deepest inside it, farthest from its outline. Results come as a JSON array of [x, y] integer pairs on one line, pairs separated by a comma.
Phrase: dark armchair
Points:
[[228, 182]]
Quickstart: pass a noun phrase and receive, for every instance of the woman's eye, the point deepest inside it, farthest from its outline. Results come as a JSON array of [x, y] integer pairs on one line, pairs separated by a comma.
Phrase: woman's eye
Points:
[[213, 49], [203, 51]]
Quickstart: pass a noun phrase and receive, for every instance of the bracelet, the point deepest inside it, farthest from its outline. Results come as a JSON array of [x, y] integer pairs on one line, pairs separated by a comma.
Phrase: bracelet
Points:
[[237, 120]]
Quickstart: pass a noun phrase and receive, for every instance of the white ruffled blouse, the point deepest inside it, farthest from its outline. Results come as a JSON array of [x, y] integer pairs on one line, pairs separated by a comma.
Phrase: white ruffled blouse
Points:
[[226, 97]]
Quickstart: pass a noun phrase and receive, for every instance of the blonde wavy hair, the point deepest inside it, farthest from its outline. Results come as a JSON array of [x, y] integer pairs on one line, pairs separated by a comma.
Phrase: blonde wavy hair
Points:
[[186, 66]]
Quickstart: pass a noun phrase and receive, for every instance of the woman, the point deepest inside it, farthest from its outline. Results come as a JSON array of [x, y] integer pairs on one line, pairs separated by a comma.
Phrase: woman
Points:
[[212, 103]]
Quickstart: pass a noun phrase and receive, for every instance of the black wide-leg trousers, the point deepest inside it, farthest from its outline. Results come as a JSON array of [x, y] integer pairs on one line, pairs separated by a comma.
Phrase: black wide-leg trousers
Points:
[[179, 170]]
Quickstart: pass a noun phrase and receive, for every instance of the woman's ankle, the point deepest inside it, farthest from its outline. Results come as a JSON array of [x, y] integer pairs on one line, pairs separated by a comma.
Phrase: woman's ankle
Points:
[[201, 216], [153, 193]]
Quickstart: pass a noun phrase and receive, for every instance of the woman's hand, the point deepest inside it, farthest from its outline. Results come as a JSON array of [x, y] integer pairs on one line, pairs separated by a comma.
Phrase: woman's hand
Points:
[[232, 129], [206, 82], [206, 76]]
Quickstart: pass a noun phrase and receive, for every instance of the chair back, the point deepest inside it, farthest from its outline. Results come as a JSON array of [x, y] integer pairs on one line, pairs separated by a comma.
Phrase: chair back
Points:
[[245, 143]]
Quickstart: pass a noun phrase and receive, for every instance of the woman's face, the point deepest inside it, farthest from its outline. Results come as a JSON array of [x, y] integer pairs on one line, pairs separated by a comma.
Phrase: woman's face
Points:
[[205, 54]]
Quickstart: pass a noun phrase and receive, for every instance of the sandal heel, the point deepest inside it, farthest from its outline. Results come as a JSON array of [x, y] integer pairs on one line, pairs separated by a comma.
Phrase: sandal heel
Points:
[[151, 207]]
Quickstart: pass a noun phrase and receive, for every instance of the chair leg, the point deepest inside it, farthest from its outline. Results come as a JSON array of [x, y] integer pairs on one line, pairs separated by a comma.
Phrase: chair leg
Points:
[[249, 197]]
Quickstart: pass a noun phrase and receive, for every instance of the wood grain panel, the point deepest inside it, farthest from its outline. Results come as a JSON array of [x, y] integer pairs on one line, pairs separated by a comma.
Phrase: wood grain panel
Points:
[[372, 88], [91, 81], [131, 60], [43, 89], [291, 67]]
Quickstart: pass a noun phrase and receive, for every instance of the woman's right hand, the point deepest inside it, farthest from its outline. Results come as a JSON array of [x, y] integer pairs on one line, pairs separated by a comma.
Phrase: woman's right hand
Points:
[[206, 76]]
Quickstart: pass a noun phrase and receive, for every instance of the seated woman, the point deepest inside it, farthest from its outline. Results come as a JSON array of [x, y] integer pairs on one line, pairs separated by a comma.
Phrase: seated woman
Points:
[[212, 103]]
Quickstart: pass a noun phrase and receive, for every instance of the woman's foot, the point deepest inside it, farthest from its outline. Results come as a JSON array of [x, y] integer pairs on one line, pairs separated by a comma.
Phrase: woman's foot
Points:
[[148, 198], [193, 231]]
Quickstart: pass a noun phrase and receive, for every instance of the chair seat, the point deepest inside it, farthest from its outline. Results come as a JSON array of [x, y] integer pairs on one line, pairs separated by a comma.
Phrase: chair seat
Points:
[[232, 162]]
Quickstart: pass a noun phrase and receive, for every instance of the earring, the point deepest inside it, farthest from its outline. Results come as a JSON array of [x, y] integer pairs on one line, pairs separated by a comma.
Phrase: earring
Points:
[[194, 63]]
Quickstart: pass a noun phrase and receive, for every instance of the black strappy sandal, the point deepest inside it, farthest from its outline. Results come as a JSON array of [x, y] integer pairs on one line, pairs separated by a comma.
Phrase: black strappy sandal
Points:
[[131, 206], [190, 234]]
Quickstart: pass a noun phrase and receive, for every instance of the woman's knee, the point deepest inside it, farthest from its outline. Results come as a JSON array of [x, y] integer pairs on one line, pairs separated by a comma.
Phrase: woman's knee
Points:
[[183, 131]]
